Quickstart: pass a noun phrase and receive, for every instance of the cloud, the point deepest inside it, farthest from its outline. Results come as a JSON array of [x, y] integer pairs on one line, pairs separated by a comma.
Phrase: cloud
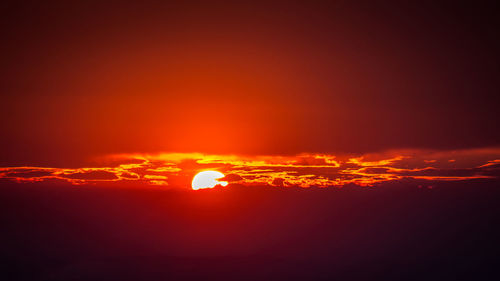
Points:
[[91, 175], [28, 174], [303, 170], [231, 178], [278, 182]]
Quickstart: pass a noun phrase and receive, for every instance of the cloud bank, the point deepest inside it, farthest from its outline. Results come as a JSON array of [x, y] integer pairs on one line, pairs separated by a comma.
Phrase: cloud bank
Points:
[[303, 170]]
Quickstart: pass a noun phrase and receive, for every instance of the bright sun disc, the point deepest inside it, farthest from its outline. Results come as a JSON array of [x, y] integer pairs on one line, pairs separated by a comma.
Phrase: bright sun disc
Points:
[[207, 179]]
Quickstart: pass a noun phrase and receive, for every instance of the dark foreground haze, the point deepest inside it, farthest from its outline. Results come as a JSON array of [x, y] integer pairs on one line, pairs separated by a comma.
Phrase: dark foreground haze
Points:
[[392, 232]]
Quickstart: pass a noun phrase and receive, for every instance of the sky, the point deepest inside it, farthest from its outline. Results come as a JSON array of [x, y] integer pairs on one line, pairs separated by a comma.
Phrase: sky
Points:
[[341, 140], [314, 82]]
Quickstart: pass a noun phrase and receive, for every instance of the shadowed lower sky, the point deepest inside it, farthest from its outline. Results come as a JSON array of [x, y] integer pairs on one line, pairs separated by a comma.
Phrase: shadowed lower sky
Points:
[[82, 79]]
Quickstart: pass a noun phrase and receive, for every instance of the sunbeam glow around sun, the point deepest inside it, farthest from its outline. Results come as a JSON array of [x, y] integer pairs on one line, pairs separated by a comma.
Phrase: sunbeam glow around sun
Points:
[[207, 179]]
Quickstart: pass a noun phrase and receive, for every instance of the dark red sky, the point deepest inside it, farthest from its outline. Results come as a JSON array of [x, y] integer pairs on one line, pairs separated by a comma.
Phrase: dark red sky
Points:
[[93, 78], [358, 140]]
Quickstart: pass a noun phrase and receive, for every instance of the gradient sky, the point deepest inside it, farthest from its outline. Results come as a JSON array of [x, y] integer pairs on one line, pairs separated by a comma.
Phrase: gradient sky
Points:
[[357, 140], [275, 82]]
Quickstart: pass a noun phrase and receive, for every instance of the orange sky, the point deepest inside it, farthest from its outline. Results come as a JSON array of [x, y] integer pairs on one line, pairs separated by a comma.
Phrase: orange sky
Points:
[[243, 78]]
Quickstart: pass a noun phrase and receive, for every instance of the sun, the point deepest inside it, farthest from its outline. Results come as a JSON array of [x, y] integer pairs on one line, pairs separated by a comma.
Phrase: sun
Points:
[[207, 179]]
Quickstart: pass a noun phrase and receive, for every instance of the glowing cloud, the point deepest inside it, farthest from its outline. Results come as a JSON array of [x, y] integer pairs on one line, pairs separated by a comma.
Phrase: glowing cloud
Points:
[[175, 170]]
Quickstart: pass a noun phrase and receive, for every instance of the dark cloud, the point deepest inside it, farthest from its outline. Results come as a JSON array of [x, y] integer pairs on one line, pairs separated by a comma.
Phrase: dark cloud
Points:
[[231, 178], [278, 182], [28, 174], [91, 175]]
